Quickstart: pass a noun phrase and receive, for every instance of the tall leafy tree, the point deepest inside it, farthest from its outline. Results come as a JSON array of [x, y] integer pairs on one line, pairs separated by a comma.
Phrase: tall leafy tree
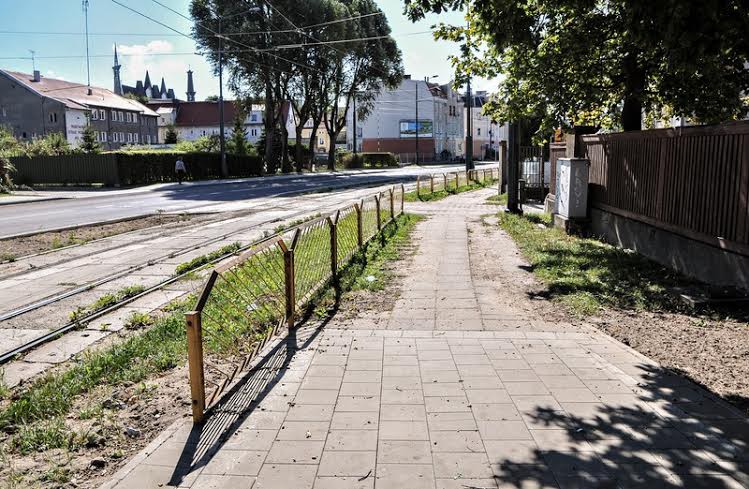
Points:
[[171, 136], [238, 141], [603, 62]]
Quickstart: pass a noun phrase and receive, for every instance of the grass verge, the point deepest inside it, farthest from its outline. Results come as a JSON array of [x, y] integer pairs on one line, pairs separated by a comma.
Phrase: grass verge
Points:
[[500, 199], [441, 194], [587, 275], [105, 301]]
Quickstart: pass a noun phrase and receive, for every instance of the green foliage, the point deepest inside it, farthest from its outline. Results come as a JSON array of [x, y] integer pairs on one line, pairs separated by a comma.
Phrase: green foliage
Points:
[[53, 144], [498, 199], [105, 301], [170, 135], [141, 168], [586, 274], [201, 260], [89, 144], [138, 320], [138, 98], [369, 160], [237, 144], [9, 145], [600, 63]]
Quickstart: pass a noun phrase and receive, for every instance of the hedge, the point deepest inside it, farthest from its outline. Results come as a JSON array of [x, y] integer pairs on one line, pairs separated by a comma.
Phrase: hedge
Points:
[[369, 160]]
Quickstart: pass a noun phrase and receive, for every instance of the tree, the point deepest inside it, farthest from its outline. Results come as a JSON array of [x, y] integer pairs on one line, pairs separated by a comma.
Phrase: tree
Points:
[[89, 143], [238, 140], [211, 98], [170, 136], [138, 98], [603, 62]]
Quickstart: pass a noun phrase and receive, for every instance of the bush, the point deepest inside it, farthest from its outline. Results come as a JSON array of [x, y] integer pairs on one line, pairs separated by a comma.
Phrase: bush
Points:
[[369, 160], [6, 167]]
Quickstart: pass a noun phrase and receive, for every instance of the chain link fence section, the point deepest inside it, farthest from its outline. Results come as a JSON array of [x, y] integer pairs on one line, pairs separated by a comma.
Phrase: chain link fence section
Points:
[[247, 300]]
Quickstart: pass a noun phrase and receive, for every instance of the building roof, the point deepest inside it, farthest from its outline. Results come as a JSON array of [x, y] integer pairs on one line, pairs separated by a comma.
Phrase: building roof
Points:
[[76, 96], [203, 113]]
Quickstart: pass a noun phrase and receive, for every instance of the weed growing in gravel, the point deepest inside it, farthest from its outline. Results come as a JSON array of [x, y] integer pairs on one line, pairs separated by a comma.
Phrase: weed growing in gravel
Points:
[[105, 301], [500, 199], [138, 320], [201, 260], [586, 274]]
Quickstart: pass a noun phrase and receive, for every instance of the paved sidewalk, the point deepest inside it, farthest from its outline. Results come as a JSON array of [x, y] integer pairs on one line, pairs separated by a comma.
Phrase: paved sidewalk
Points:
[[457, 387]]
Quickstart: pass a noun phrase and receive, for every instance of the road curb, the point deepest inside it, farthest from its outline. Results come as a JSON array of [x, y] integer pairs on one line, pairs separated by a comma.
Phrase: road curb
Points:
[[32, 200]]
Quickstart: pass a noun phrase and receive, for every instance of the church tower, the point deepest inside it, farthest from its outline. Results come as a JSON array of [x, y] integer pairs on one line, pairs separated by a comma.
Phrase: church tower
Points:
[[116, 69], [190, 87]]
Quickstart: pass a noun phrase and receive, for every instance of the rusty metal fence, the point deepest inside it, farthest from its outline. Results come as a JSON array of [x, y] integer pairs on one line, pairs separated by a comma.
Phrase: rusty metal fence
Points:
[[259, 291], [450, 182]]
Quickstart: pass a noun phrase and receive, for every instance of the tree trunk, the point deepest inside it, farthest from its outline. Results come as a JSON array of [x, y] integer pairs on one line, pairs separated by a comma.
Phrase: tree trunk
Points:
[[634, 86], [331, 155], [298, 146], [269, 122], [632, 113]]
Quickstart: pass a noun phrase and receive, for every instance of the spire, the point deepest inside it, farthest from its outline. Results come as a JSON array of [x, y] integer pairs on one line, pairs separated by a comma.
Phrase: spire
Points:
[[147, 81], [116, 69], [190, 87]]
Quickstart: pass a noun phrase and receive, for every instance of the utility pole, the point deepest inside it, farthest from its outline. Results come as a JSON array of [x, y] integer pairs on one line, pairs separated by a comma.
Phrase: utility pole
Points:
[[88, 64], [416, 101], [512, 168], [354, 119], [222, 138], [469, 127]]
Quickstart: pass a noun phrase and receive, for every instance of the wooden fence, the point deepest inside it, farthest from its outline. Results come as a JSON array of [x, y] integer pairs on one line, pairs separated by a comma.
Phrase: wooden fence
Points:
[[556, 151], [691, 181]]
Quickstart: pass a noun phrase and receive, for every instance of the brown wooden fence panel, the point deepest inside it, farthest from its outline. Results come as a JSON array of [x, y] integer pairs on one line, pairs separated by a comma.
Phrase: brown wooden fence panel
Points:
[[693, 181]]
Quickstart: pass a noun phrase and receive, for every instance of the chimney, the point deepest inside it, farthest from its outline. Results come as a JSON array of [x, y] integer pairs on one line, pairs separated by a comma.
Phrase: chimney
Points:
[[406, 77], [37, 76]]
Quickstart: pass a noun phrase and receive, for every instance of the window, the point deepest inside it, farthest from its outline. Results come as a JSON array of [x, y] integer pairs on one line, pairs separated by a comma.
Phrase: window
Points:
[[148, 139], [53, 117], [114, 137], [103, 137], [103, 115], [129, 138], [254, 132], [320, 141], [253, 118], [94, 115], [478, 131], [128, 117], [135, 138], [122, 137], [135, 117]]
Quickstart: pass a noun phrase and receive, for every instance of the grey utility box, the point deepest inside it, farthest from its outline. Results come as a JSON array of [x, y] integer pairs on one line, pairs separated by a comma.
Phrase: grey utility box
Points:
[[572, 188]]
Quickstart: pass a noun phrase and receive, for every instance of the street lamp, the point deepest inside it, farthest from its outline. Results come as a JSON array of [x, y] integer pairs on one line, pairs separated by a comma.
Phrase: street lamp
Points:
[[221, 37]]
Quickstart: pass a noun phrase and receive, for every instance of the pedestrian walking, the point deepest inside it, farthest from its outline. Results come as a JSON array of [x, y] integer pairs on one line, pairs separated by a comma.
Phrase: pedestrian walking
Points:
[[179, 169]]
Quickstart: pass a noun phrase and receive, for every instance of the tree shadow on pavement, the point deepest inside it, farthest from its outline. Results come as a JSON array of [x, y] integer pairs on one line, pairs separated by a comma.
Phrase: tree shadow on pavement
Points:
[[668, 434]]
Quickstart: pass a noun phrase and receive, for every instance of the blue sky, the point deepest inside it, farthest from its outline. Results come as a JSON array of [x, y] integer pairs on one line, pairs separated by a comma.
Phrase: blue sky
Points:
[[146, 45]]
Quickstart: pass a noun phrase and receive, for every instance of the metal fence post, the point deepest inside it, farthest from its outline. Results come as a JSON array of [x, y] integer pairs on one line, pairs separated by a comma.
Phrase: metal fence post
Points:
[[359, 224], [418, 185], [290, 285], [431, 184], [444, 177], [195, 363]]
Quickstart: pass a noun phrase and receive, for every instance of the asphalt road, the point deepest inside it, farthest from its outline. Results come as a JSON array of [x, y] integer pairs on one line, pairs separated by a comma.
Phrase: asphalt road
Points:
[[106, 205]]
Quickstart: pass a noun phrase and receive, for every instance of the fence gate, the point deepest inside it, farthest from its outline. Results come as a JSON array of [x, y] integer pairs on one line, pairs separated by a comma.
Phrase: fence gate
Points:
[[533, 172]]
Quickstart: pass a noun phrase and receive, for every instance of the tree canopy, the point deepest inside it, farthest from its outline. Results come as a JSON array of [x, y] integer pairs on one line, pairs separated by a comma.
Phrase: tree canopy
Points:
[[603, 62], [290, 55]]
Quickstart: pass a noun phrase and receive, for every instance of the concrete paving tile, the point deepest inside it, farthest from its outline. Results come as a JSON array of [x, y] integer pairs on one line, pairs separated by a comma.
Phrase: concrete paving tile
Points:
[[446, 404], [362, 376], [403, 412], [404, 452], [222, 482], [438, 376], [344, 483], [64, 348], [343, 463], [264, 420], [355, 421], [456, 441], [351, 440], [361, 389], [412, 476], [401, 396], [275, 476], [518, 452], [333, 383], [503, 430], [157, 476], [495, 412], [310, 412], [526, 388], [464, 483], [402, 383], [461, 465], [249, 439], [303, 430], [235, 462], [443, 389], [358, 403], [403, 430], [451, 421], [295, 452], [488, 396]]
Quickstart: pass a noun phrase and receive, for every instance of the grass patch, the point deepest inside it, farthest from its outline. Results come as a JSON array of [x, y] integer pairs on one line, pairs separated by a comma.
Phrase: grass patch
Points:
[[201, 260], [283, 227], [441, 194], [587, 275], [138, 320], [105, 301], [7, 257], [500, 199]]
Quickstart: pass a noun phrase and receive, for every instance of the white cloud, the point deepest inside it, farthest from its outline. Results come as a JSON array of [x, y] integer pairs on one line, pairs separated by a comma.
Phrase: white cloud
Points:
[[153, 47], [53, 74], [154, 57]]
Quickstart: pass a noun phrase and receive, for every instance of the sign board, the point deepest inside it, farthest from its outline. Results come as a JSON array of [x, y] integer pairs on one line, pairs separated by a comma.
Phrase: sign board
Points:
[[408, 128]]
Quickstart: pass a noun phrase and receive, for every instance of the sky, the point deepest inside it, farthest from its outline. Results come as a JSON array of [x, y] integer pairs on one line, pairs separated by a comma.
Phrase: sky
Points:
[[53, 29]]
